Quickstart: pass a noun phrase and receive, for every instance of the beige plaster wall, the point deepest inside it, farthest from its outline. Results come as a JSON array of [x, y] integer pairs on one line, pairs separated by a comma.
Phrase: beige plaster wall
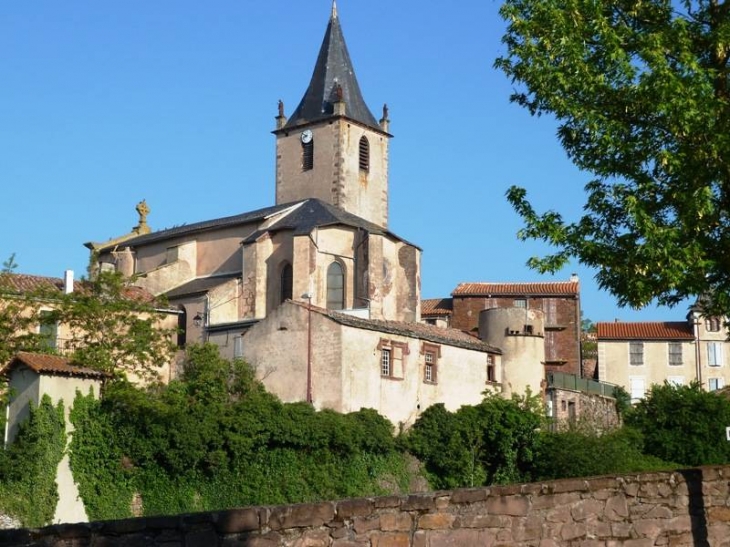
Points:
[[277, 349], [346, 372], [614, 367], [25, 385], [157, 276]]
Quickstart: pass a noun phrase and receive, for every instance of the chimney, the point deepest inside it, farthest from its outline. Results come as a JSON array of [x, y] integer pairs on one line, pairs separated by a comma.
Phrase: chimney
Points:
[[574, 278], [68, 282]]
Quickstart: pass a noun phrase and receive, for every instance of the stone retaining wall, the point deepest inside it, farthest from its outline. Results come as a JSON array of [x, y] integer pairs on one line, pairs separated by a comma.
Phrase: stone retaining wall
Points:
[[673, 509]]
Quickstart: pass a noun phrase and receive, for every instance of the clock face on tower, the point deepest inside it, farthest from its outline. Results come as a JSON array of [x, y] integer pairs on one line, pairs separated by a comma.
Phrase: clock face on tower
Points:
[[306, 136]]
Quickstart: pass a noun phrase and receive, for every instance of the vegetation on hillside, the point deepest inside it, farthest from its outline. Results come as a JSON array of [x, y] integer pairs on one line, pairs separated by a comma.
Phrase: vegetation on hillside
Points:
[[28, 466], [215, 438]]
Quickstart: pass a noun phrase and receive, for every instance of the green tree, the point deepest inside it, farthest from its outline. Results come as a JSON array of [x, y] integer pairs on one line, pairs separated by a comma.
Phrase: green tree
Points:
[[641, 94], [579, 453], [114, 327], [683, 424], [19, 317], [492, 442]]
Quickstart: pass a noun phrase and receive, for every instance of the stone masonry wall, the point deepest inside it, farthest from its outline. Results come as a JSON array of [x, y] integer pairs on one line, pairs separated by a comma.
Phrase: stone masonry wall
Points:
[[674, 509]]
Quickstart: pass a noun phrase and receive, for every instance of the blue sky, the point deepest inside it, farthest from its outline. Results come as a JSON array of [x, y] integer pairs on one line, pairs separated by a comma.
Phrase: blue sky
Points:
[[103, 104]]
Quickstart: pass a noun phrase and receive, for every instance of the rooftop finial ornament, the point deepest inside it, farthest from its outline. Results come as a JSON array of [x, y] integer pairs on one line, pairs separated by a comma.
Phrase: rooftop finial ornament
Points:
[[334, 9], [142, 210]]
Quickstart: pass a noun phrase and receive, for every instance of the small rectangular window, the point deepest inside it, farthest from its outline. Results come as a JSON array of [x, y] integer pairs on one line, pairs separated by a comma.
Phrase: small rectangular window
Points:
[[636, 353], [675, 353], [714, 354], [637, 387], [385, 359], [237, 347], [431, 354], [712, 324], [675, 380], [715, 383], [48, 329], [520, 303], [491, 369], [429, 372]]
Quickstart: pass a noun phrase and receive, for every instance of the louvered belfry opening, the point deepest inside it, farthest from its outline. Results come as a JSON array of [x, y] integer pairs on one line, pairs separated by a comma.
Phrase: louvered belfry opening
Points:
[[364, 154]]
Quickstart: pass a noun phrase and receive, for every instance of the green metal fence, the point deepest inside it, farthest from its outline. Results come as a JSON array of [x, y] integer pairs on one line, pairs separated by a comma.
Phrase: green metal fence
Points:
[[576, 383]]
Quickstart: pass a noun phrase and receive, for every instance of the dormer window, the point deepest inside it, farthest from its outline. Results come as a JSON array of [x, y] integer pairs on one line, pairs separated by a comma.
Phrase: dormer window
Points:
[[364, 154]]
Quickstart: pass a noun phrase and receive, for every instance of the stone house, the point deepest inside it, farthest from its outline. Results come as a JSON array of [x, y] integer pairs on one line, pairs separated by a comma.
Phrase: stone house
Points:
[[559, 302], [637, 355], [344, 362]]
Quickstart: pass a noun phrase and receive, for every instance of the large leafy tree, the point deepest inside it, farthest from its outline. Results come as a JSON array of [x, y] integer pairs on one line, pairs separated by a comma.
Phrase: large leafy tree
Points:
[[641, 94], [683, 424]]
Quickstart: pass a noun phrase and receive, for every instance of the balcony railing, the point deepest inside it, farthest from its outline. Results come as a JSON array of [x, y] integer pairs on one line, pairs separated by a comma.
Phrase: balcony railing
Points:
[[563, 380]]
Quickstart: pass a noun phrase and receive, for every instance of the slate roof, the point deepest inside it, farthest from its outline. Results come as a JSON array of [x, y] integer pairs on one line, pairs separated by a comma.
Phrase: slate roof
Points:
[[333, 67], [203, 226], [313, 213], [50, 364], [430, 333], [437, 307], [200, 286], [656, 330], [549, 288]]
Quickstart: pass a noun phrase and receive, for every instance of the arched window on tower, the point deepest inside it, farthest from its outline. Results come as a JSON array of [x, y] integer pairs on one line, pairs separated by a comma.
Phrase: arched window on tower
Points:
[[364, 154], [287, 282], [335, 287], [308, 155]]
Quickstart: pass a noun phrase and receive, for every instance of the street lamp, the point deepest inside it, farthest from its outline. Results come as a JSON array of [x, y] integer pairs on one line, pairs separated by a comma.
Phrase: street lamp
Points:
[[308, 297], [198, 319]]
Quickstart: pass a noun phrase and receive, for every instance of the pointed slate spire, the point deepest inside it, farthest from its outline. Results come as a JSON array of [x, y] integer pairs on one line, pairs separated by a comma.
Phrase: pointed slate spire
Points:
[[333, 81]]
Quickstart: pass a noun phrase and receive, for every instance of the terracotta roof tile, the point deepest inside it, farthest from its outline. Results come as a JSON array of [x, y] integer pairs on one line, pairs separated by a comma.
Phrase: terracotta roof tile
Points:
[[551, 288], [655, 330], [24, 283], [49, 364], [437, 307]]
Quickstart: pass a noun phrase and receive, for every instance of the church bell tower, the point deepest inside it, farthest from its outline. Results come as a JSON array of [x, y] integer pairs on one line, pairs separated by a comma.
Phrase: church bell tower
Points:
[[331, 147]]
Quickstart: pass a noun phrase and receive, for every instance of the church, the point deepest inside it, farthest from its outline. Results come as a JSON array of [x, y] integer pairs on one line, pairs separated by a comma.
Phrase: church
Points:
[[315, 292]]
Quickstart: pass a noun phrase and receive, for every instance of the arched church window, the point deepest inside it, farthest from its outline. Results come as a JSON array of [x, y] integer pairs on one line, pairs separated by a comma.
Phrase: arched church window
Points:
[[364, 154], [287, 282], [308, 155], [335, 287]]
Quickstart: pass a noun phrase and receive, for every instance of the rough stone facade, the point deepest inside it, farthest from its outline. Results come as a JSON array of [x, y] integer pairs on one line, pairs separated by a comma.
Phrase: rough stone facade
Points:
[[683, 508], [578, 408]]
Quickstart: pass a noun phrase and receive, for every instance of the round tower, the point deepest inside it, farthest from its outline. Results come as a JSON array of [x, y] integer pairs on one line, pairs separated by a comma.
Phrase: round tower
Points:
[[519, 332]]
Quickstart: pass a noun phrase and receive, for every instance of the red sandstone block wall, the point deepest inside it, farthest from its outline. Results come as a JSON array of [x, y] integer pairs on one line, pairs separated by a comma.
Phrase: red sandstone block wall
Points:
[[677, 509]]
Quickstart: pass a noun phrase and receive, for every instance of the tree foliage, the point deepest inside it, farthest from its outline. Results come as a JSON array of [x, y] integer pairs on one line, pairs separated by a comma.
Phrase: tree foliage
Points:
[[492, 442], [28, 487], [113, 328], [641, 94], [581, 453], [683, 424], [214, 438]]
